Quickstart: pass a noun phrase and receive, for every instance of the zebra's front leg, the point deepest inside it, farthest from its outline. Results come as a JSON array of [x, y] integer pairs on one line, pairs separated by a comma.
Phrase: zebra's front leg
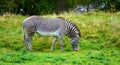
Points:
[[53, 42], [61, 43]]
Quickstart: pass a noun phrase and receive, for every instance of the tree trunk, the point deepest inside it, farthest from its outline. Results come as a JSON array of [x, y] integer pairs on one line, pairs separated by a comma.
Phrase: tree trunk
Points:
[[61, 6], [88, 5]]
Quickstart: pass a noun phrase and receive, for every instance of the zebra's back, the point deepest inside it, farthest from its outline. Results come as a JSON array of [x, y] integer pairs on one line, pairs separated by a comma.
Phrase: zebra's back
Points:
[[45, 26]]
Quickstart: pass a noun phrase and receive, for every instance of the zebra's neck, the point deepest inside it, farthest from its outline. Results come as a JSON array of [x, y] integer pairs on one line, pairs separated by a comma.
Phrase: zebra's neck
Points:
[[71, 29]]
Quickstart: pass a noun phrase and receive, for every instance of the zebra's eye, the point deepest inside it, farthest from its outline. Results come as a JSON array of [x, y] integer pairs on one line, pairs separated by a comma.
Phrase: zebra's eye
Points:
[[78, 36], [75, 41]]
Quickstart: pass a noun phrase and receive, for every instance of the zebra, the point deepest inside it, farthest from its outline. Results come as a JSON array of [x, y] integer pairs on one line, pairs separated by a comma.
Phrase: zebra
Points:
[[56, 27]]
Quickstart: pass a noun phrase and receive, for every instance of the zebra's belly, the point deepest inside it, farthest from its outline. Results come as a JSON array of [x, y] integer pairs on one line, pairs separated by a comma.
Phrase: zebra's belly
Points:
[[54, 33]]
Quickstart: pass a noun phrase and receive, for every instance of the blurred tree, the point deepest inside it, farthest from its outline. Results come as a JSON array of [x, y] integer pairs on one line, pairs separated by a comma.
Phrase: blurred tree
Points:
[[61, 6], [111, 5], [33, 7]]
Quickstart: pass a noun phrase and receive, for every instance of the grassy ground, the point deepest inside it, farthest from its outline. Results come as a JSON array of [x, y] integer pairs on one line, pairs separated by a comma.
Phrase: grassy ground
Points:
[[99, 45]]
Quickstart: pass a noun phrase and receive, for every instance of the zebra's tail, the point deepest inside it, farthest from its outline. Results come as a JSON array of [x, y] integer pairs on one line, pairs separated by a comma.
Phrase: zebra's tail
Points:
[[23, 33]]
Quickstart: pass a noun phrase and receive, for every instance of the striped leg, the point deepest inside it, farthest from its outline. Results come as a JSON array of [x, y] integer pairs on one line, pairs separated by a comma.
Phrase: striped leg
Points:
[[28, 39], [25, 44], [61, 43], [53, 42], [30, 43]]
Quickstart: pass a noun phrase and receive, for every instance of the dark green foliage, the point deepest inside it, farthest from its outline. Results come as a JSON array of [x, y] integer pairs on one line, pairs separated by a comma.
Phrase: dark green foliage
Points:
[[17, 57], [33, 7]]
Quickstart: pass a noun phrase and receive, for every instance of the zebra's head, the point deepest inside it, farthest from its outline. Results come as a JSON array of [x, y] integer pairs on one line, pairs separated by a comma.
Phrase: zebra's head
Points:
[[75, 41], [74, 34]]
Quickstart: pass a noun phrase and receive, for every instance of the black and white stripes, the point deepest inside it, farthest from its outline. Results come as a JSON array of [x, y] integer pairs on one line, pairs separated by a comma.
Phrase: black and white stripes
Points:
[[57, 27], [71, 29]]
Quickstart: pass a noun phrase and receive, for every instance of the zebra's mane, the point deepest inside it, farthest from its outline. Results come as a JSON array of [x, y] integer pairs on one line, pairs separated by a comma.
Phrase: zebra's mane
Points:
[[71, 24]]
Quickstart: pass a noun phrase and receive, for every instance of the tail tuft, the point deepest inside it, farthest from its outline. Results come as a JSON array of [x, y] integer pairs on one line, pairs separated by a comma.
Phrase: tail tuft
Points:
[[23, 33]]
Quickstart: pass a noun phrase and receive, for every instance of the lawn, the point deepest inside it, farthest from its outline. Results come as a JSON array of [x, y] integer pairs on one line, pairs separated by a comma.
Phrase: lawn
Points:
[[99, 44]]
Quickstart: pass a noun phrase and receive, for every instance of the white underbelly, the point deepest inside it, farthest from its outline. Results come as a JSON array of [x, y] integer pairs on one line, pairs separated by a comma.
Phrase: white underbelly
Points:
[[55, 33]]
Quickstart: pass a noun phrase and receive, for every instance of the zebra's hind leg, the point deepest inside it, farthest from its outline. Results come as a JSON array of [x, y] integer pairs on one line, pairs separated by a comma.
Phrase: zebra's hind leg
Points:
[[53, 43], [27, 42], [30, 43], [28, 39]]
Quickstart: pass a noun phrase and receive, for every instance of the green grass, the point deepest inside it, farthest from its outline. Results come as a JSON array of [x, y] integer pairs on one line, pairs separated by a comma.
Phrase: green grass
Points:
[[99, 44]]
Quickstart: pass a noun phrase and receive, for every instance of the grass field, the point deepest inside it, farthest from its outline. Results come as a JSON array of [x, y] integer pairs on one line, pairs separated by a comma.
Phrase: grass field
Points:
[[99, 44]]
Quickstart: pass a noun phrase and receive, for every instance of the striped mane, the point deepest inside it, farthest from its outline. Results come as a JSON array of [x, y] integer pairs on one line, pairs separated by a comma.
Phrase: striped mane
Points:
[[71, 24]]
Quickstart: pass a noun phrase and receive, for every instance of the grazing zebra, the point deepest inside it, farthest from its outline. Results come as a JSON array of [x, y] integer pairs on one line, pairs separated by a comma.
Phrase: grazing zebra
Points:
[[56, 27]]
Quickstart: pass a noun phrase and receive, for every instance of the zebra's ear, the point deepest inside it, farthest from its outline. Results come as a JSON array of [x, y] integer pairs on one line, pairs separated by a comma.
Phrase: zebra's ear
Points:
[[79, 34]]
